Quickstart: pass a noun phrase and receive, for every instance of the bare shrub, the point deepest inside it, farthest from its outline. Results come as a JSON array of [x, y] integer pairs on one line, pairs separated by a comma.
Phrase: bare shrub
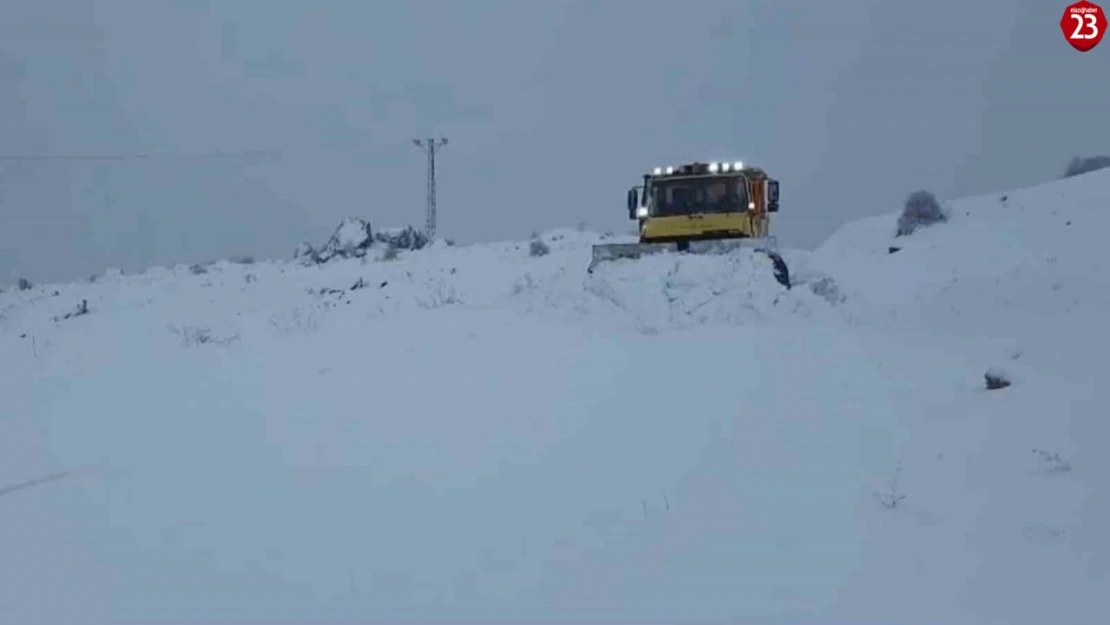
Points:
[[921, 209], [305, 253], [892, 497], [81, 309], [441, 294], [826, 288], [300, 320], [407, 238], [538, 248], [1052, 462], [1085, 165], [391, 253], [192, 336], [996, 379], [523, 284]]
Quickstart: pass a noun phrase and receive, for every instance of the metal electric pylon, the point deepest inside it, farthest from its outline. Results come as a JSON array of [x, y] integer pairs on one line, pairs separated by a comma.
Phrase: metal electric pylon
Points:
[[431, 146]]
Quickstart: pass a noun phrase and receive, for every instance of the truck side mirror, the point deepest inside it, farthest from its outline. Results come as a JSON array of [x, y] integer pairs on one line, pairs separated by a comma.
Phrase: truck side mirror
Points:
[[633, 202], [772, 196]]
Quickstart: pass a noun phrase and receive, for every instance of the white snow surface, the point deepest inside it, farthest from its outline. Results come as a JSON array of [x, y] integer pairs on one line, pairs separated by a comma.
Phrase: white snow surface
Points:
[[350, 234], [475, 435]]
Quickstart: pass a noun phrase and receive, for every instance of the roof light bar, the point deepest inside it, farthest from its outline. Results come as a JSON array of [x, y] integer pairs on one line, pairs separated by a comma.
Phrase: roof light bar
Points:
[[712, 167]]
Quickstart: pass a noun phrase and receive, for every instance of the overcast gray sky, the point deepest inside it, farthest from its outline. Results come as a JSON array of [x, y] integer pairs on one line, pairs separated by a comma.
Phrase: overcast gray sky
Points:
[[553, 109]]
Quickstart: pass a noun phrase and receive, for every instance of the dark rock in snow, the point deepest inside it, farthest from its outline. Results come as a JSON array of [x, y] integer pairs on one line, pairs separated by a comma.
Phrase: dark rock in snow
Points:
[[351, 239], [354, 238], [407, 238]]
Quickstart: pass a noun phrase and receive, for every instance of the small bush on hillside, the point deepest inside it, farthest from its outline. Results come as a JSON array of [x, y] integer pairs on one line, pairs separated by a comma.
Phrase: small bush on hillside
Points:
[[921, 209], [81, 309], [1079, 165], [300, 320], [407, 238], [441, 293], [538, 248], [996, 379], [192, 336], [304, 252], [826, 288], [242, 260], [1052, 462], [354, 238], [351, 239], [24, 284], [892, 497]]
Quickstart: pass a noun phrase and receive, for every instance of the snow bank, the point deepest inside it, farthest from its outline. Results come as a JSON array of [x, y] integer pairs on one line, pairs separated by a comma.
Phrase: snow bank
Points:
[[659, 293]]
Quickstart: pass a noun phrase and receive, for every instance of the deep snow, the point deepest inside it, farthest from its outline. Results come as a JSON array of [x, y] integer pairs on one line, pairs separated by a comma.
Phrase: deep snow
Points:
[[476, 435]]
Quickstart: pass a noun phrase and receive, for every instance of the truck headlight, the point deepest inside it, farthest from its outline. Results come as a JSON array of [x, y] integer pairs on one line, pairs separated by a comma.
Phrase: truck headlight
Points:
[[642, 212]]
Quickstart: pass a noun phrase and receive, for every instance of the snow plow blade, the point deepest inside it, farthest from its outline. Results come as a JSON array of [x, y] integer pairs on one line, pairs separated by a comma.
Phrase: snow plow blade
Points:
[[615, 251]]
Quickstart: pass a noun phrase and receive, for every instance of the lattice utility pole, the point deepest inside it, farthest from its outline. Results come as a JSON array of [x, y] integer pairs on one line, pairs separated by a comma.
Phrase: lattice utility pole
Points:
[[431, 146]]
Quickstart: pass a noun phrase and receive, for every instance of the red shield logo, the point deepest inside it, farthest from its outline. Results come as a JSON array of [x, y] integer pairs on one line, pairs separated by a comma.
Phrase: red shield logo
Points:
[[1083, 24]]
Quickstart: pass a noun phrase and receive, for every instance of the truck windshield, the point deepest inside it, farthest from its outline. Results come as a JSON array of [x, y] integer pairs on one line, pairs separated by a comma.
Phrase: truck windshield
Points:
[[706, 194]]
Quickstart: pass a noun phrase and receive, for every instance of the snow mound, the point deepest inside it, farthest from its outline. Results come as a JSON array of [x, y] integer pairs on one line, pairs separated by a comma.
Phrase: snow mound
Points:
[[664, 292], [344, 282]]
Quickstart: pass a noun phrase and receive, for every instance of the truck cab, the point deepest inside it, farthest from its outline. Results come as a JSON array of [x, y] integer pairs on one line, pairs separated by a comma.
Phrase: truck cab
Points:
[[703, 201]]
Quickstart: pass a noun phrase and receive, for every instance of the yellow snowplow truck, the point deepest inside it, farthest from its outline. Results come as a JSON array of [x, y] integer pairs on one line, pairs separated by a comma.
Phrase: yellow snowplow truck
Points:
[[701, 208]]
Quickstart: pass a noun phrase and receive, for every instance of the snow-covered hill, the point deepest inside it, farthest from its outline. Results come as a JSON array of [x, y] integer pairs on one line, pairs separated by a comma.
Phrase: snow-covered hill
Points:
[[477, 434], [1028, 267]]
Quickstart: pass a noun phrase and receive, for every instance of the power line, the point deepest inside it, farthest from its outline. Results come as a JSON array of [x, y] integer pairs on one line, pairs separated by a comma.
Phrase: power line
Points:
[[139, 156], [431, 146]]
